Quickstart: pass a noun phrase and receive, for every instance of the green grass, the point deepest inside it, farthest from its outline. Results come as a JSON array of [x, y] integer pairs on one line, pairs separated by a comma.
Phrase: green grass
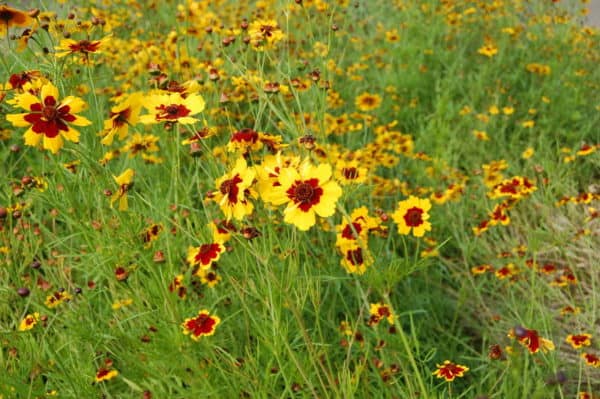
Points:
[[283, 295]]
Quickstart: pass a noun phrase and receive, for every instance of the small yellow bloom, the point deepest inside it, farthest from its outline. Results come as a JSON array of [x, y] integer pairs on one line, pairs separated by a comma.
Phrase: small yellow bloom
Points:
[[124, 181], [528, 153], [29, 321]]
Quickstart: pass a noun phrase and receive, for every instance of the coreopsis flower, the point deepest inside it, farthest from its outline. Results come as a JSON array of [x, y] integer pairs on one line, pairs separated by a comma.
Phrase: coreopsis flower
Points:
[[121, 303], [412, 215], [531, 339], [308, 191], [356, 260], [515, 187], [349, 172], [449, 370], [140, 144], [105, 374], [205, 255], [233, 191], [356, 231], [178, 287], [208, 277], [380, 311], [12, 17], [126, 113], [267, 173], [29, 321], [587, 149], [57, 299], [367, 102], [172, 107], [591, 359], [17, 81], [83, 47], [124, 181], [579, 340], [49, 119], [528, 153], [264, 34], [151, 234], [201, 325], [489, 49]]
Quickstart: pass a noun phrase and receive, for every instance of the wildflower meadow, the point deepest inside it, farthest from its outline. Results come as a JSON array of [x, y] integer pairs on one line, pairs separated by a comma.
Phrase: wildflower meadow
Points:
[[299, 199]]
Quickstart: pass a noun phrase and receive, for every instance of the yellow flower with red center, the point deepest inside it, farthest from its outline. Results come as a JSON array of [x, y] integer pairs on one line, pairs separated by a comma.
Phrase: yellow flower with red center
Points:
[[57, 299], [579, 340], [489, 49], [515, 187], [12, 17], [380, 311], [105, 374], [264, 34], [367, 102], [29, 321], [205, 255], [49, 119], [124, 181], [208, 277], [308, 191], [356, 260], [200, 326], [83, 47], [412, 215], [126, 113], [233, 191], [356, 231], [349, 172], [531, 339], [172, 107], [449, 370], [591, 359]]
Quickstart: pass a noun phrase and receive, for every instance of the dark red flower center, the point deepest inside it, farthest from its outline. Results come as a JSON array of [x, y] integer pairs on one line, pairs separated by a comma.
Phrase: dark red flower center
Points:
[[230, 188], [383, 311], [84, 46], [120, 118], [172, 111], [207, 253], [203, 324], [246, 135], [348, 232], [355, 256], [305, 193], [413, 217], [350, 173], [50, 113], [267, 30]]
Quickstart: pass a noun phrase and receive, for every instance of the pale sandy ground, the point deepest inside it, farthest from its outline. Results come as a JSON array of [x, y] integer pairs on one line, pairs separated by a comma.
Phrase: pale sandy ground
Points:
[[594, 16]]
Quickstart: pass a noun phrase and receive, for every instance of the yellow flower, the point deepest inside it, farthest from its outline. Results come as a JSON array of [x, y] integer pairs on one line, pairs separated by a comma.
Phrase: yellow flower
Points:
[[264, 34], [105, 374], [233, 191], [122, 115], [489, 49], [49, 119], [124, 181], [382, 311], [12, 17], [367, 102], [528, 153], [308, 191], [412, 214], [172, 107], [29, 321]]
